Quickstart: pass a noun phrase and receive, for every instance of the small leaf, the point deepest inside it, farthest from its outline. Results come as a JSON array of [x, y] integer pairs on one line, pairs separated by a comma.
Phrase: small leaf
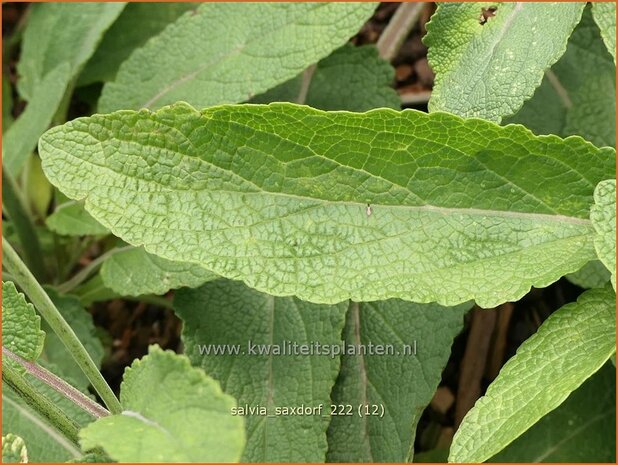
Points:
[[21, 138], [582, 429], [137, 23], [277, 196], [14, 449], [489, 69], [402, 383], [21, 326], [351, 78], [569, 347], [226, 312], [172, 413], [605, 16], [71, 219], [229, 52], [36, 186], [603, 217], [135, 272]]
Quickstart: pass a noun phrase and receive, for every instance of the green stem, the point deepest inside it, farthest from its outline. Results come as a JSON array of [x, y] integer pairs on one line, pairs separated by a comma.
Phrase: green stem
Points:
[[48, 310], [39, 402], [15, 208]]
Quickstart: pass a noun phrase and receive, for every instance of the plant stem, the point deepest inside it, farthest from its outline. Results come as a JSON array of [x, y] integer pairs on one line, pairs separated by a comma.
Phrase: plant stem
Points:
[[39, 402], [398, 29], [86, 271], [15, 208], [63, 330], [59, 385]]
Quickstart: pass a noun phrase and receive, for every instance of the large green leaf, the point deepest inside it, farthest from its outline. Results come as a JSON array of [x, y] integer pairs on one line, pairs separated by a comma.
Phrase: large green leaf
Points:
[[71, 219], [227, 313], [14, 449], [603, 217], [229, 52], [277, 196], [59, 33], [136, 24], [569, 347], [396, 387], [21, 326], [351, 78], [592, 274], [605, 16], [582, 429], [578, 95], [172, 413], [21, 138], [135, 272], [489, 70]]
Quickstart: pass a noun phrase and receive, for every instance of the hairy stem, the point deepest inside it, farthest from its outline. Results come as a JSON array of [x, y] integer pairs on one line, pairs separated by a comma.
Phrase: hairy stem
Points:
[[398, 29], [30, 286]]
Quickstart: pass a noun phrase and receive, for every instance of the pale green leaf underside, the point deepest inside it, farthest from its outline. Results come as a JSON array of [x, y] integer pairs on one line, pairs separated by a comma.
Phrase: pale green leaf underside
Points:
[[228, 312], [59, 33], [14, 449], [228, 52], [172, 413], [604, 14], [490, 70], [582, 429], [137, 23], [21, 326], [71, 219], [578, 95], [135, 272], [570, 346], [21, 138], [277, 196], [403, 384], [603, 217], [351, 78]]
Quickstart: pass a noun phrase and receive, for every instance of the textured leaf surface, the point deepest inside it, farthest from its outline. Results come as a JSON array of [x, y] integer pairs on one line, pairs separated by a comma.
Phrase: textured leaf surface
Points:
[[402, 384], [582, 429], [570, 346], [21, 138], [21, 326], [59, 33], [172, 413], [14, 449], [95, 291], [593, 274], [71, 219], [578, 95], [228, 312], [137, 23], [231, 52], [489, 70], [351, 78], [135, 272], [603, 217], [277, 196], [605, 16]]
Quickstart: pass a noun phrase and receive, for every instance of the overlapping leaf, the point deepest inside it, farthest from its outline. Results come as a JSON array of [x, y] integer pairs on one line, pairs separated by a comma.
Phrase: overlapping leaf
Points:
[[605, 16], [603, 217], [71, 219]]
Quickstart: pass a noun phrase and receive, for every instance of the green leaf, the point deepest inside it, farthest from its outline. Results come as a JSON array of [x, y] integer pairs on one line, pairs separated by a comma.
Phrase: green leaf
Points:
[[21, 138], [582, 429], [14, 449], [578, 95], [137, 23], [7, 103], [605, 16], [593, 274], [277, 196], [71, 219], [569, 347], [402, 383], [228, 313], [21, 326], [603, 218], [59, 33], [351, 78], [489, 70], [172, 413], [135, 272], [94, 290], [36, 186], [229, 52]]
